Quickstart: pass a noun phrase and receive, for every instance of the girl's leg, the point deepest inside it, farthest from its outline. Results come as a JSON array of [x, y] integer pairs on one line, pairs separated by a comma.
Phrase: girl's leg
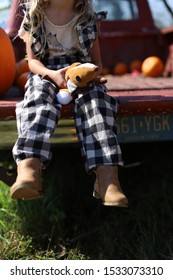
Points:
[[95, 116], [37, 116]]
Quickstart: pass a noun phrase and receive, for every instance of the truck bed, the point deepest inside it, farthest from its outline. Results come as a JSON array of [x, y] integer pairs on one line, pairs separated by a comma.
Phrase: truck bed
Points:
[[145, 113], [137, 95], [142, 95]]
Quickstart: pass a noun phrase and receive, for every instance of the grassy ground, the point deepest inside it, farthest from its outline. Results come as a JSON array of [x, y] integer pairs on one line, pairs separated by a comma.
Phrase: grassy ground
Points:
[[70, 224]]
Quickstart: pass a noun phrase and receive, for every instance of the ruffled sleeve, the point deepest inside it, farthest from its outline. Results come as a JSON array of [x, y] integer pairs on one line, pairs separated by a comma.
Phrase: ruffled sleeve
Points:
[[102, 15], [25, 26], [87, 33]]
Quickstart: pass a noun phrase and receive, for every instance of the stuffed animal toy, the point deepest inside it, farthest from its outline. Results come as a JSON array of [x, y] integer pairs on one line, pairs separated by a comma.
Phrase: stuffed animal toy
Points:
[[78, 76]]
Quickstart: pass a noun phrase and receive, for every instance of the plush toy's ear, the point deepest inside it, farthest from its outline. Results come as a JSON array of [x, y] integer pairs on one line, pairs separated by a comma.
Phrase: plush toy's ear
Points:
[[70, 67], [74, 64]]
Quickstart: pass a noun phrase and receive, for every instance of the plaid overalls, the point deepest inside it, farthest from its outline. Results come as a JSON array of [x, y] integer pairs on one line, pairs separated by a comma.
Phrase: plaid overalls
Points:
[[94, 113]]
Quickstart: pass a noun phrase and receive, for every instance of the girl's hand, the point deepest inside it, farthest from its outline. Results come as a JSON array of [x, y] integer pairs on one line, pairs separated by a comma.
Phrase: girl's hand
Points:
[[37, 67], [58, 77]]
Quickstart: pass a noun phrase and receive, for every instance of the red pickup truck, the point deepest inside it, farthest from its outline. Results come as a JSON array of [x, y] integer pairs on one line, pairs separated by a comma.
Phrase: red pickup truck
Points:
[[129, 33]]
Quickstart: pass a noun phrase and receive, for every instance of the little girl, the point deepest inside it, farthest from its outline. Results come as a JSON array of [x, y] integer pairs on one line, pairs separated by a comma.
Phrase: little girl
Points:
[[58, 33]]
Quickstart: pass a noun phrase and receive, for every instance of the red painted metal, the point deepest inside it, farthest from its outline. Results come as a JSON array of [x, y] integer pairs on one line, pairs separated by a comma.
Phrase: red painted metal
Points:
[[15, 19], [127, 40], [7, 107], [137, 96]]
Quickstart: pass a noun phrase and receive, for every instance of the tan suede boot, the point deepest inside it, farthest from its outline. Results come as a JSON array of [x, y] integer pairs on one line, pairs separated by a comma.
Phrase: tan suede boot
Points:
[[107, 187], [28, 183]]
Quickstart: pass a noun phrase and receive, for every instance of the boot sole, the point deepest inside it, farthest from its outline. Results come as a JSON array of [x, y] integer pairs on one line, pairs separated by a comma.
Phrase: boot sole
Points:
[[24, 192], [116, 204]]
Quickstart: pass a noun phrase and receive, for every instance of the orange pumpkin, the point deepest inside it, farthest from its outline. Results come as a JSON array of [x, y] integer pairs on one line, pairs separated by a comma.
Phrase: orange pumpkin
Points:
[[7, 63], [21, 81], [105, 70], [136, 65], [120, 68], [152, 66], [21, 67]]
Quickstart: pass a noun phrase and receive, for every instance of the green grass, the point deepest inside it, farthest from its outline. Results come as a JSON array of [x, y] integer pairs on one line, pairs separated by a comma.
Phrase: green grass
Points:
[[64, 133], [70, 224]]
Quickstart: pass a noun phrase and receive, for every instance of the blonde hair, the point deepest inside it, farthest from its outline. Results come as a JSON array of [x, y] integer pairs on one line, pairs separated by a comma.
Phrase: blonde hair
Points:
[[36, 13], [83, 9]]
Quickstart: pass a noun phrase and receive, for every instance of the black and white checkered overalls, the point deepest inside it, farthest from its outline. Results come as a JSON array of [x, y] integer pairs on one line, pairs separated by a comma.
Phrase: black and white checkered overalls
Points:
[[94, 113]]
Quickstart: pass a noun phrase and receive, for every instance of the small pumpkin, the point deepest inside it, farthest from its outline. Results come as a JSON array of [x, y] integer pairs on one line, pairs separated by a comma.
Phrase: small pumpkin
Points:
[[22, 66], [120, 68], [136, 65], [7, 62], [21, 81], [152, 66], [105, 70]]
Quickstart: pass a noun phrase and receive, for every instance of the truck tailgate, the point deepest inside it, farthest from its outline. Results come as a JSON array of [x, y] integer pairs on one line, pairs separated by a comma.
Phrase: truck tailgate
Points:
[[146, 107], [141, 95], [145, 112]]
